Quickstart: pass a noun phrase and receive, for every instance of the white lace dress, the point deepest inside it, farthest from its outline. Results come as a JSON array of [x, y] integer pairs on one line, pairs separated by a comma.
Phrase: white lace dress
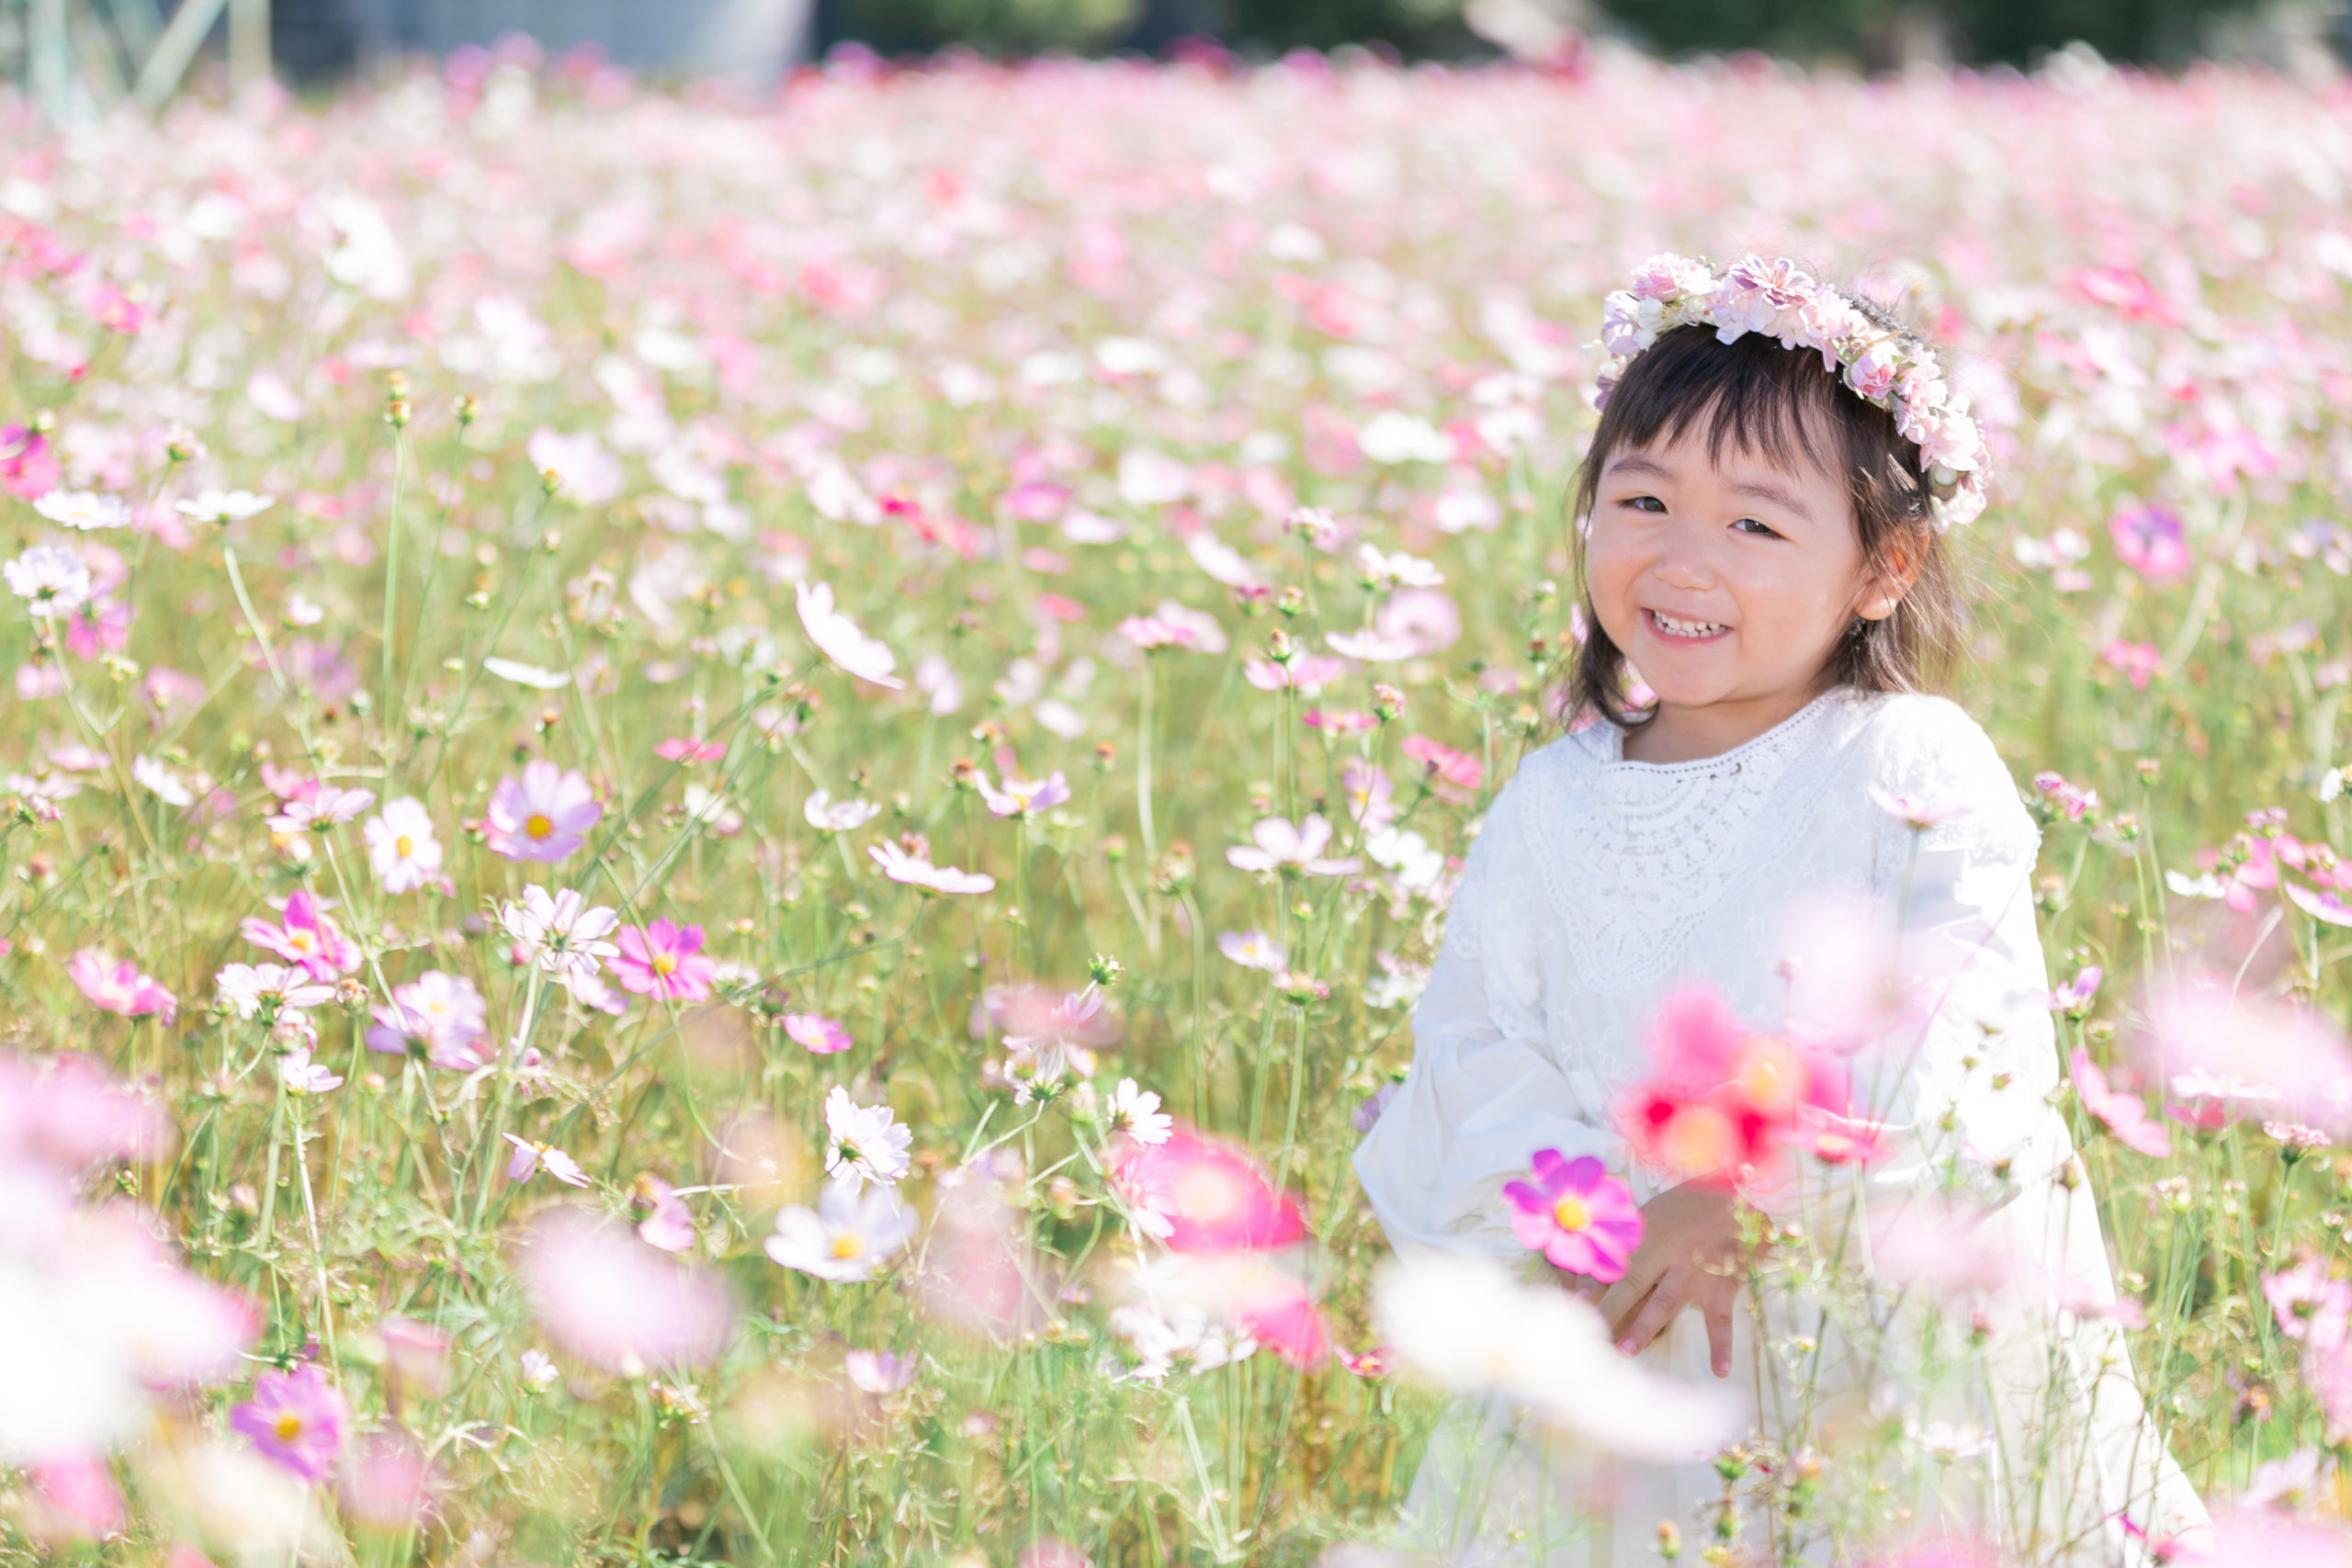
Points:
[[1595, 886]]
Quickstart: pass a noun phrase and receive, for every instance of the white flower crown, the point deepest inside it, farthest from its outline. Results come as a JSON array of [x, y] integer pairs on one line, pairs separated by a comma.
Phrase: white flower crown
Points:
[[1893, 369]]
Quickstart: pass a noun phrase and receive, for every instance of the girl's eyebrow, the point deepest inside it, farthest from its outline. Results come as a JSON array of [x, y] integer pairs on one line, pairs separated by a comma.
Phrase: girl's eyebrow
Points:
[[1779, 495]]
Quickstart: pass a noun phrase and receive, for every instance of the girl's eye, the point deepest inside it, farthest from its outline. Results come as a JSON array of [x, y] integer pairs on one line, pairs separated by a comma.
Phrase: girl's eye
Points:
[[1644, 503], [1758, 530]]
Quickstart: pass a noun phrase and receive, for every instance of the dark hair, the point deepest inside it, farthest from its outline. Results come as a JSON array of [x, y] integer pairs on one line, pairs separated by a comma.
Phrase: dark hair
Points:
[[1780, 403]]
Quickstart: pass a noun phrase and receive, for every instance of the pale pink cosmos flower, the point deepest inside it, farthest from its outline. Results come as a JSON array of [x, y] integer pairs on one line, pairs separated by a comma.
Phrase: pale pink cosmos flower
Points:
[[2310, 1305], [1252, 950], [1307, 673], [120, 987], [2125, 1115], [1368, 793], [846, 1238], [440, 1014], [665, 960], [830, 815], [839, 639], [2328, 909], [1914, 813], [530, 1155], [296, 1420], [686, 748], [1134, 1112], [305, 937], [616, 1304], [326, 806], [2137, 661], [269, 991], [388, 1481], [2148, 540], [1024, 797], [1424, 620], [2298, 1058], [1174, 626], [402, 849], [543, 816], [880, 1372], [863, 1143], [559, 931], [669, 1224], [1278, 843], [82, 1501], [1048, 1032], [915, 871], [301, 1075], [816, 1034], [585, 473], [1372, 646], [2074, 998]]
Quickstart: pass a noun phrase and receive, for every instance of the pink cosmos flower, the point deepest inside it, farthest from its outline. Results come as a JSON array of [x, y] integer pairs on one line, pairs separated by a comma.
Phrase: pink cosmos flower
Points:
[[1024, 797], [2310, 1303], [816, 1034], [388, 1481], [325, 807], [305, 938], [296, 1420], [2250, 1046], [2148, 540], [2125, 1115], [82, 1503], [1253, 949], [120, 986], [2073, 800], [1424, 620], [880, 1372], [543, 816], [2137, 661], [1307, 673], [1724, 1103], [686, 748], [1048, 1032], [916, 870], [616, 1304], [2328, 909], [1913, 813], [440, 1014], [1174, 626], [666, 960], [669, 1224], [1457, 773], [1199, 1196], [2074, 998], [1577, 1215]]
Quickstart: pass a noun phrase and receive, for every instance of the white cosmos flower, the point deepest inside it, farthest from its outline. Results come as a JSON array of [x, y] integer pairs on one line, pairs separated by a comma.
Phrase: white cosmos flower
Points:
[[401, 845], [838, 637], [529, 675], [863, 1143], [1466, 1324], [83, 509], [161, 782], [1136, 1111], [223, 505], [53, 579], [256, 989], [559, 933], [846, 1238]]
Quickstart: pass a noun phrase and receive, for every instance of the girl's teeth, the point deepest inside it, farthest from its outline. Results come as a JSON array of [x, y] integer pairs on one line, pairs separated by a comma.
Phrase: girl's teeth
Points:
[[1687, 628]]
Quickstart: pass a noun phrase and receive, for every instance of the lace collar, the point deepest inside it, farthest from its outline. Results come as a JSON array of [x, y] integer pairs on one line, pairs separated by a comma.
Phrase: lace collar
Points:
[[1635, 854]]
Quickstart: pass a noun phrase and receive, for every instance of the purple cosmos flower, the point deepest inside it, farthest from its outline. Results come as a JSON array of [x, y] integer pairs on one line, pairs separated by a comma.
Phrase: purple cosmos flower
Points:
[[2148, 540], [544, 815], [296, 1420]]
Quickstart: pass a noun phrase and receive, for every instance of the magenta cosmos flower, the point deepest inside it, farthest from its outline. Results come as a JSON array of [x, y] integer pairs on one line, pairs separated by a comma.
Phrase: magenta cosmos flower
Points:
[[296, 1420], [544, 815], [120, 986], [665, 960], [1577, 1215]]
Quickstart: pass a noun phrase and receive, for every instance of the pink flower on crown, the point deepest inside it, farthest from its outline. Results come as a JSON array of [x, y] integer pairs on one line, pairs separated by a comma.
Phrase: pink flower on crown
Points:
[[1948, 440], [1666, 276], [1872, 372], [1828, 320]]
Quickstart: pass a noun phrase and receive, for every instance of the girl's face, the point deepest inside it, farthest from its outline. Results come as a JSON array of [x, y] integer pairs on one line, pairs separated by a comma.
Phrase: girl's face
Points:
[[1727, 582]]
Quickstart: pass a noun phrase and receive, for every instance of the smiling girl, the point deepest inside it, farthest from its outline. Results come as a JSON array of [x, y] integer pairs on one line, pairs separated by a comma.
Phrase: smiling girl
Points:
[[1762, 515]]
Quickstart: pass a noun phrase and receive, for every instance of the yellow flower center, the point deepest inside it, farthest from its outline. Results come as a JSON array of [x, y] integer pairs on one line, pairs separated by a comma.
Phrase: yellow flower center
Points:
[[299, 939], [288, 1427], [538, 825], [1700, 1138], [1771, 1077], [403, 846], [848, 1244], [1570, 1213], [663, 963]]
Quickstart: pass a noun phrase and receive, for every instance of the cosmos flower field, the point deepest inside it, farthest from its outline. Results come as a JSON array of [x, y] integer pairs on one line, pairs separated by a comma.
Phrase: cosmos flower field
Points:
[[715, 815]]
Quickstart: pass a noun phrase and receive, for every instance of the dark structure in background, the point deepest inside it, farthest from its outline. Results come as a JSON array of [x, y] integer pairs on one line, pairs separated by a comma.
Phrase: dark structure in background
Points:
[[318, 40]]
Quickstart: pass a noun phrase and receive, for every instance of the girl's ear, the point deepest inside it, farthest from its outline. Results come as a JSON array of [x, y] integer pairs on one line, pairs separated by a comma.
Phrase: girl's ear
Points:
[[1886, 586]]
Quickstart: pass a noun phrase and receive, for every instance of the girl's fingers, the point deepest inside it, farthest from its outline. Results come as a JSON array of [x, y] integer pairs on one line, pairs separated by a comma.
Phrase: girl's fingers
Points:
[[1618, 1302], [1716, 1306], [1673, 1293]]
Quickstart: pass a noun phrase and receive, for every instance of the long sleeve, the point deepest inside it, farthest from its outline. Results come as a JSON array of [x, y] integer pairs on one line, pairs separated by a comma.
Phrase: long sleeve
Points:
[[1968, 1077], [1484, 1090]]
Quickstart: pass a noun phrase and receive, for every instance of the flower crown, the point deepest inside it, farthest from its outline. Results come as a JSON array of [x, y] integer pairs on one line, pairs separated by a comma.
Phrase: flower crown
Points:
[[1893, 369]]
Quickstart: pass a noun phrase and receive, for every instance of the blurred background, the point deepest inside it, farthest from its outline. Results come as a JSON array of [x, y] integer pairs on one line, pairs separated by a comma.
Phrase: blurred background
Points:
[[69, 52]]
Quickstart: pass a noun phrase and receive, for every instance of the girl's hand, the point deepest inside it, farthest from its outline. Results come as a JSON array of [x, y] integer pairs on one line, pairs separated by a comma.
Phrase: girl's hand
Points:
[[1690, 1245]]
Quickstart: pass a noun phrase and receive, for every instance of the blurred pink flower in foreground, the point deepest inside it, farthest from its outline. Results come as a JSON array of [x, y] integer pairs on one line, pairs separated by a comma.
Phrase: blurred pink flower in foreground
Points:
[[2289, 1056], [296, 1420], [664, 959], [120, 986], [1576, 1214], [616, 1304], [2125, 1115], [1048, 1032], [880, 1372], [2148, 540], [1199, 1196], [387, 1481], [545, 815]]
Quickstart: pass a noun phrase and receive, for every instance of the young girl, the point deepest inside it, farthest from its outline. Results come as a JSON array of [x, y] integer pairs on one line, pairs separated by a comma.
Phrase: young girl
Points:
[[1761, 513]]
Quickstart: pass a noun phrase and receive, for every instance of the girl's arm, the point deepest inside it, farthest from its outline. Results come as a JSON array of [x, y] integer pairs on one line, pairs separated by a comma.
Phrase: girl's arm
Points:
[[1484, 1092]]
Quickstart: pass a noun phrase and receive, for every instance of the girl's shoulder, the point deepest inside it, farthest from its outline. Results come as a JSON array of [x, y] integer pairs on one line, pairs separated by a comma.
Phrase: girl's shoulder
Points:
[[1928, 760]]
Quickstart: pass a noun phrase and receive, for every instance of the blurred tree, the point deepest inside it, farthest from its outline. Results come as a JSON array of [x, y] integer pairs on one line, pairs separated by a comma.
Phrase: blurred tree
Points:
[[2163, 32]]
